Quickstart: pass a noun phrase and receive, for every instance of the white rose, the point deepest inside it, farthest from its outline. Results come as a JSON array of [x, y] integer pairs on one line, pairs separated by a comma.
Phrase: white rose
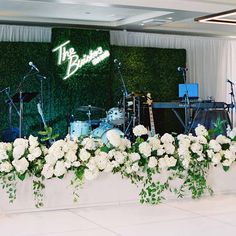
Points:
[[152, 162], [21, 165], [18, 151], [47, 171], [214, 145], [21, 142], [186, 161], [5, 167], [84, 155], [232, 147], [167, 138], [145, 149], [114, 164], [5, 146], [221, 139], [139, 130], [134, 156], [60, 168], [90, 175], [201, 139], [210, 153], [183, 150], [113, 138], [91, 164], [161, 151], [200, 130], [56, 151], [70, 156]]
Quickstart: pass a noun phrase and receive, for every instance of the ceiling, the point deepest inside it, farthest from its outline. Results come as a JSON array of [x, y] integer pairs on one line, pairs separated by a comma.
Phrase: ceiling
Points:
[[162, 16]]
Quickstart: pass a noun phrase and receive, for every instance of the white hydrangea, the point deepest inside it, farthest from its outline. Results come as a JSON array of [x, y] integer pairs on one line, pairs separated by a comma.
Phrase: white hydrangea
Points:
[[135, 167], [216, 159], [6, 167], [169, 148], [221, 139], [101, 160], [84, 155], [170, 161], [51, 159], [200, 130], [229, 155], [91, 174], [167, 138], [109, 167], [60, 169], [214, 145], [145, 149], [134, 156], [162, 163], [89, 144], [196, 148], [71, 156], [154, 142], [139, 130], [119, 157], [33, 141], [21, 165], [152, 162], [21, 142], [3, 155], [47, 171], [18, 151]]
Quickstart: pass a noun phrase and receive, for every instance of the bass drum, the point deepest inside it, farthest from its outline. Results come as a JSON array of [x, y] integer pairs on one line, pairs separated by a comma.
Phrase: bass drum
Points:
[[101, 132], [115, 116], [79, 128]]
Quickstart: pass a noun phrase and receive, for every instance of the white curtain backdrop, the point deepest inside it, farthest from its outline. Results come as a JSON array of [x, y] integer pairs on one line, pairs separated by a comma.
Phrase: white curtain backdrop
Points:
[[15, 33], [211, 61]]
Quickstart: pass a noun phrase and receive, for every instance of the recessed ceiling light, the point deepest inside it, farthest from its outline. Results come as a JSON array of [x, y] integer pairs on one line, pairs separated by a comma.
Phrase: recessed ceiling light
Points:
[[169, 18], [226, 17], [142, 24]]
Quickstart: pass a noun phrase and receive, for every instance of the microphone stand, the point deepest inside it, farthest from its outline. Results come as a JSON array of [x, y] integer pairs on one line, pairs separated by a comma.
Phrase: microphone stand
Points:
[[186, 105], [124, 92], [232, 102]]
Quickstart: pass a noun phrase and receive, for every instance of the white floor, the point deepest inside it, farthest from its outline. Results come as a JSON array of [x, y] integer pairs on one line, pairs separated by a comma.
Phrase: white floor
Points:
[[209, 216]]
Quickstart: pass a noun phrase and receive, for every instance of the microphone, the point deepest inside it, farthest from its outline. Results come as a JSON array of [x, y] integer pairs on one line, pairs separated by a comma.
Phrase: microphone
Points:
[[5, 89], [229, 81], [41, 77], [33, 66], [182, 69], [116, 61]]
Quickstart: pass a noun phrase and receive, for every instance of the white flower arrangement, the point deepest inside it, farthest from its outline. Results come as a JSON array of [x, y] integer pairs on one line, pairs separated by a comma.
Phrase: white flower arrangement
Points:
[[186, 157]]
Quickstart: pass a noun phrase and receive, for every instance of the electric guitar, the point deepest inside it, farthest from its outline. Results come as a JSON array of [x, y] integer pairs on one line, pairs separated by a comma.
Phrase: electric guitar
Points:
[[152, 124]]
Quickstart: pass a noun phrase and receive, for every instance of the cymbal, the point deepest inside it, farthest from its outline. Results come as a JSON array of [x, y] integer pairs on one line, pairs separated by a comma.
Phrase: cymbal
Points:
[[89, 108]]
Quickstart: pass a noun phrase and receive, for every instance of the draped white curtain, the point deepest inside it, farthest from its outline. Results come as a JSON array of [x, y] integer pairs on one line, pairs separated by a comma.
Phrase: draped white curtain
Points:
[[211, 61], [17, 33]]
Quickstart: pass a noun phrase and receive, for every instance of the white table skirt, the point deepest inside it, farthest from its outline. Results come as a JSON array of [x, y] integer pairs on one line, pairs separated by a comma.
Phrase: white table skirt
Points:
[[107, 189]]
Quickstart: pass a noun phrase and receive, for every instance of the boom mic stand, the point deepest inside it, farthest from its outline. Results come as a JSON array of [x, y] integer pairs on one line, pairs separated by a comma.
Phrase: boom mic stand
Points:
[[232, 102], [124, 90]]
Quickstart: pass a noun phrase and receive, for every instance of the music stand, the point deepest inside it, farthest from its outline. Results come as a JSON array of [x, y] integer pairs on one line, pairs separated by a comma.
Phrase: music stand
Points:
[[22, 97]]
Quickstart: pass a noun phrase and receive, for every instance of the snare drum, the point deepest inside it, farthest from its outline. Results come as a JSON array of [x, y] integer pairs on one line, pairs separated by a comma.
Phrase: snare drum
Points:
[[115, 116], [79, 128]]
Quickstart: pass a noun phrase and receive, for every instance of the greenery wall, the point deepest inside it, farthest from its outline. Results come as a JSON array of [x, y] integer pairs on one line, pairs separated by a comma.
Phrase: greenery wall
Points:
[[144, 70], [152, 70]]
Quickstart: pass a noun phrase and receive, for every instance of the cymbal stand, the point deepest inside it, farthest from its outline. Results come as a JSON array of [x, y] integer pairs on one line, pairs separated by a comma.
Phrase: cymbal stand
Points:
[[233, 103], [89, 114], [10, 104]]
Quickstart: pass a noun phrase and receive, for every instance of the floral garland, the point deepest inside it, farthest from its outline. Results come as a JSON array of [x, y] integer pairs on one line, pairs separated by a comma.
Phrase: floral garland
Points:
[[185, 157]]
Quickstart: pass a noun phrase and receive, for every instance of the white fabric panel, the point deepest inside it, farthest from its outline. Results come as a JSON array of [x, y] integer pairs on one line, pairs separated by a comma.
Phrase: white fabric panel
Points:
[[15, 33], [211, 61]]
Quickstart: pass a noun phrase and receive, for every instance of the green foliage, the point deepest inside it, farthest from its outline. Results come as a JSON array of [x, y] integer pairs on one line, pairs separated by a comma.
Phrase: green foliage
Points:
[[48, 135], [38, 188]]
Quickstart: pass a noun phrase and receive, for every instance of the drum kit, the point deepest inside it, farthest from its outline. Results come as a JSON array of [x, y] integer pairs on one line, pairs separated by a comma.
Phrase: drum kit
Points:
[[121, 119], [113, 121]]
